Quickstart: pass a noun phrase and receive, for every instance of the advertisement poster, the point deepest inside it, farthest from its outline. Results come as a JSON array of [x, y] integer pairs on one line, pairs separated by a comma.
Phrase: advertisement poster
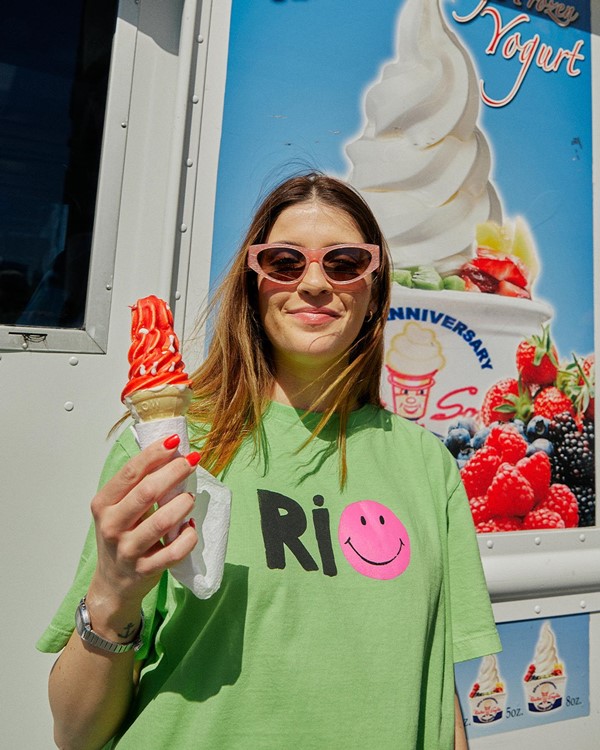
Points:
[[541, 676], [466, 125]]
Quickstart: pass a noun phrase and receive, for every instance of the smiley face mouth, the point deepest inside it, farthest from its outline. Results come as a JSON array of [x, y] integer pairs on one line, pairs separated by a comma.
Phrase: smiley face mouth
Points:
[[375, 562]]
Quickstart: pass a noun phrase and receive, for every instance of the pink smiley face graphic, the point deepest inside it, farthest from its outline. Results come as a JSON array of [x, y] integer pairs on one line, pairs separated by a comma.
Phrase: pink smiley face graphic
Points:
[[374, 540]]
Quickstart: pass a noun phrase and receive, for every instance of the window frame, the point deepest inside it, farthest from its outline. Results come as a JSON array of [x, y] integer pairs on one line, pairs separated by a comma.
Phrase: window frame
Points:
[[93, 337]]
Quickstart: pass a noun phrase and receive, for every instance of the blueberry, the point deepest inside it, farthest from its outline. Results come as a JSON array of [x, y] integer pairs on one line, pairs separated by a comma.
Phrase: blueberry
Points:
[[540, 444], [538, 427], [465, 423], [457, 440], [480, 437]]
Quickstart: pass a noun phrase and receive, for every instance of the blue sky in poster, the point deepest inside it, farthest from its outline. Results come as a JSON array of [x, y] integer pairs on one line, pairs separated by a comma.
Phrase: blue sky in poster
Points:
[[296, 75]]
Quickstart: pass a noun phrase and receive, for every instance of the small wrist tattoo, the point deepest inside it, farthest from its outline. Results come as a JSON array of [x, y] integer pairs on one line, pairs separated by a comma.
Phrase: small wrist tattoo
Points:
[[128, 631]]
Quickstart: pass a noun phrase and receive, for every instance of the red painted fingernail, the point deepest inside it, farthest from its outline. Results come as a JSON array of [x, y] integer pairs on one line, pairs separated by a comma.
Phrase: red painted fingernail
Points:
[[192, 523], [171, 442], [193, 458]]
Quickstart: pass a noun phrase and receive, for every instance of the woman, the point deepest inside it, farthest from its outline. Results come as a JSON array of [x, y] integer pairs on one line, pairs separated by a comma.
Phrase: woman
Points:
[[353, 580]]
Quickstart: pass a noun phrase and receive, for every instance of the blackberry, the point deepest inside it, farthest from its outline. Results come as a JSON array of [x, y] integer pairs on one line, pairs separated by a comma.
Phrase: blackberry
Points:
[[575, 458], [586, 500], [560, 474], [588, 432], [560, 425]]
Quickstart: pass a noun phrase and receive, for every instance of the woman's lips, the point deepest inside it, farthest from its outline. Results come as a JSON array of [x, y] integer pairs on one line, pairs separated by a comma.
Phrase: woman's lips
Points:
[[314, 315]]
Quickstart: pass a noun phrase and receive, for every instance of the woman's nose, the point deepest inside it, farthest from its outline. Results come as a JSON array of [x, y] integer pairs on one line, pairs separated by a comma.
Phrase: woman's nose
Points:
[[314, 280]]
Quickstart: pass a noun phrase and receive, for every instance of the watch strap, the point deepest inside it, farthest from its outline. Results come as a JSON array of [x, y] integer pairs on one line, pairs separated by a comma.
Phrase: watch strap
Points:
[[83, 626]]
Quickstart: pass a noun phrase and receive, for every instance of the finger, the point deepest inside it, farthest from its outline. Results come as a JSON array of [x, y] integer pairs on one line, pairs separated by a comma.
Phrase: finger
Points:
[[161, 557], [154, 488], [151, 458], [149, 533]]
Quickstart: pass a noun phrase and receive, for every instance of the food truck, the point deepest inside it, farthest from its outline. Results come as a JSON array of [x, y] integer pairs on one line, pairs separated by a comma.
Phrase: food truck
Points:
[[135, 137]]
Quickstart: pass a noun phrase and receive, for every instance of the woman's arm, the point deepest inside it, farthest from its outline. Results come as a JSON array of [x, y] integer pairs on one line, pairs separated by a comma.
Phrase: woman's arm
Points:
[[460, 738], [90, 689]]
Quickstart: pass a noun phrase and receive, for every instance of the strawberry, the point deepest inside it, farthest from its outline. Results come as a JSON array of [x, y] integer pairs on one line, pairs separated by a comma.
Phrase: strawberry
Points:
[[501, 394], [478, 472], [578, 380], [507, 441], [508, 523], [510, 494], [561, 500], [537, 470], [543, 518], [537, 359], [501, 267], [506, 289], [473, 276], [551, 401], [470, 286], [479, 509]]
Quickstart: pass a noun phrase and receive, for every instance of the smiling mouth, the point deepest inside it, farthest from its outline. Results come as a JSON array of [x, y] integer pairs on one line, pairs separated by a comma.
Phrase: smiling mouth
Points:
[[374, 562]]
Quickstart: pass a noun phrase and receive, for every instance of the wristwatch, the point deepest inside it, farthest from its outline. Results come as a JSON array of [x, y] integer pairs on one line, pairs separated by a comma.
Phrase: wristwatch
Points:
[[84, 629]]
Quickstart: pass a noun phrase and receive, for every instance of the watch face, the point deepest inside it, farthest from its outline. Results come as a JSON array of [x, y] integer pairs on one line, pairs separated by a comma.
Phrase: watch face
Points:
[[80, 624]]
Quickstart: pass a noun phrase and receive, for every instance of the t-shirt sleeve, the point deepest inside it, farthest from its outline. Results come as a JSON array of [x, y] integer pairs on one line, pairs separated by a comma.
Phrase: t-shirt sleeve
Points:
[[59, 630], [474, 631]]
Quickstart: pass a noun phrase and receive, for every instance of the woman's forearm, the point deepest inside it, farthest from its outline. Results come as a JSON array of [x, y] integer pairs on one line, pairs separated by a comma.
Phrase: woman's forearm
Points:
[[90, 690], [460, 738]]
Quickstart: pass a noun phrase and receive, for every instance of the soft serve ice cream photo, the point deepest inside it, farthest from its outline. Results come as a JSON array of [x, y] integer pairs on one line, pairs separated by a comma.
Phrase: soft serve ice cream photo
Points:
[[545, 681], [487, 698]]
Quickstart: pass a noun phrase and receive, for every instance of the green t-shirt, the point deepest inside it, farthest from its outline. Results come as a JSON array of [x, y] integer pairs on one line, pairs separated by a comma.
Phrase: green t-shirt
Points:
[[341, 613]]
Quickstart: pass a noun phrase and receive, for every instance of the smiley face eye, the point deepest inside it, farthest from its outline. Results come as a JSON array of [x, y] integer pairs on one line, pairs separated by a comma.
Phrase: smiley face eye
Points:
[[363, 520], [381, 520]]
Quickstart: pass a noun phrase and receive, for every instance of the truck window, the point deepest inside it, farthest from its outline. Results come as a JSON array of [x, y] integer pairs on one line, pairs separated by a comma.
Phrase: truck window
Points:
[[54, 71]]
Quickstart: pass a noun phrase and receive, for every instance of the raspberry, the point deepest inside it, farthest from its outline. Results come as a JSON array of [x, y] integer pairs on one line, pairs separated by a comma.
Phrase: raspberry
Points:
[[537, 470], [510, 494], [486, 527], [508, 523], [561, 500], [543, 518], [508, 442], [479, 509], [478, 472]]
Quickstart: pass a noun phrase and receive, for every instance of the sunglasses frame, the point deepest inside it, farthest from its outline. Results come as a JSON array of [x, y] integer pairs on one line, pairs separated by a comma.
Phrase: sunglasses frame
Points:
[[313, 255]]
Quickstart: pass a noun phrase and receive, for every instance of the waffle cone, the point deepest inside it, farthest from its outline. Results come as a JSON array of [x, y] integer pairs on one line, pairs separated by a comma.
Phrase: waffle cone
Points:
[[170, 401]]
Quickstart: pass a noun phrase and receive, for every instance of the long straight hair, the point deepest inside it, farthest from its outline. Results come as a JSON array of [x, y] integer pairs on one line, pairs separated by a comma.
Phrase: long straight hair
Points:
[[233, 386]]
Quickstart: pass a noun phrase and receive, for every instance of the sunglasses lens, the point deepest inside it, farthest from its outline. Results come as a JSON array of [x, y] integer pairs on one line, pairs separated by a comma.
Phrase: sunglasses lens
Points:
[[282, 263], [346, 263]]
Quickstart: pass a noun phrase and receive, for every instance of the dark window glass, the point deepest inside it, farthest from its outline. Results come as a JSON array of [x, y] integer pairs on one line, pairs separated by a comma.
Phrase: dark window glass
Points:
[[54, 62]]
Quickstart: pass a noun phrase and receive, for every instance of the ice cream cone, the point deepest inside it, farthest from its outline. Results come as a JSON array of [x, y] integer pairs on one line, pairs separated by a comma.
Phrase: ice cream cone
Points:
[[410, 393], [164, 403]]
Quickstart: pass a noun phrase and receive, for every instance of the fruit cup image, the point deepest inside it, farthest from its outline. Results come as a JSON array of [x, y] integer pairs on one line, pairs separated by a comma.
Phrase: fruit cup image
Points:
[[412, 361], [487, 699], [545, 681]]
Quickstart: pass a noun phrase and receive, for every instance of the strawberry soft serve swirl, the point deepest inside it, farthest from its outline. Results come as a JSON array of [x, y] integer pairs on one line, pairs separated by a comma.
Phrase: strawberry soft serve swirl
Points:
[[154, 356]]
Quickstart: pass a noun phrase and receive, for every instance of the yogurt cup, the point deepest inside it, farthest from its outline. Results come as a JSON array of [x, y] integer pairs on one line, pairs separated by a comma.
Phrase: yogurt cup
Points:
[[487, 709], [546, 694], [478, 336]]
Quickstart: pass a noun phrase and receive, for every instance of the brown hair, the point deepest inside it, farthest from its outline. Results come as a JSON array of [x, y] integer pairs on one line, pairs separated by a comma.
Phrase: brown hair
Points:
[[233, 386]]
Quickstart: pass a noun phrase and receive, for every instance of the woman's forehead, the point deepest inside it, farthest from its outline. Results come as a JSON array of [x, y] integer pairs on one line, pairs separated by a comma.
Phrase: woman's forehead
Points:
[[316, 219]]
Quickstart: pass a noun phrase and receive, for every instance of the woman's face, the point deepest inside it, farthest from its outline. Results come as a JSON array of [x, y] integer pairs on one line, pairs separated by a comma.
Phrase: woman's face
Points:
[[312, 322]]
